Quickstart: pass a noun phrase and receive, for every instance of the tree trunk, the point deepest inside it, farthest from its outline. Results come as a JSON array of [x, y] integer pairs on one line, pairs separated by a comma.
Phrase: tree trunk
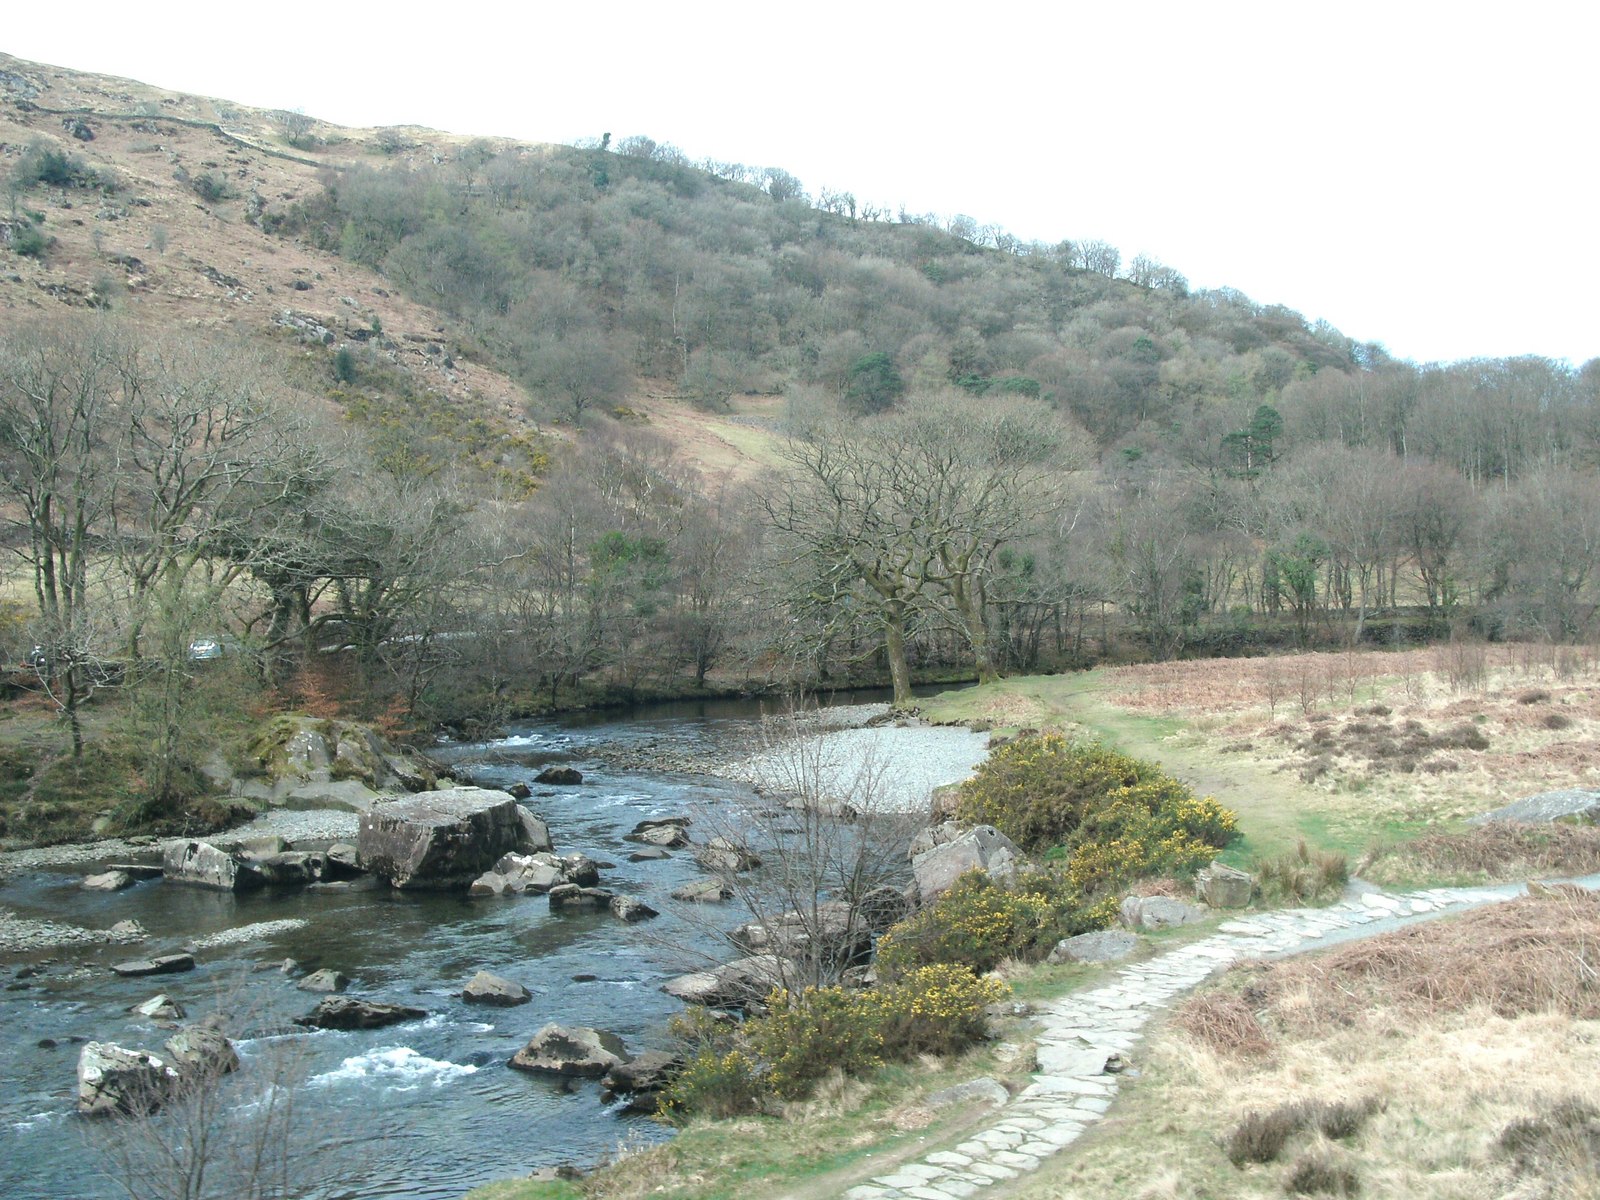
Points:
[[894, 644]]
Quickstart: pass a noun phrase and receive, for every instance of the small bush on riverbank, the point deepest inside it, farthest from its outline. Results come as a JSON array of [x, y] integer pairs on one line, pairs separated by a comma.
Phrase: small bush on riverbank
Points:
[[809, 1035], [1125, 814], [977, 923], [1107, 819]]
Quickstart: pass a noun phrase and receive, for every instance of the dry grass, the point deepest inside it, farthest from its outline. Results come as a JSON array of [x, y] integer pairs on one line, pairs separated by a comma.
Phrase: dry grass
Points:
[[1540, 953], [1421, 736], [1495, 852], [1458, 1060], [1303, 876]]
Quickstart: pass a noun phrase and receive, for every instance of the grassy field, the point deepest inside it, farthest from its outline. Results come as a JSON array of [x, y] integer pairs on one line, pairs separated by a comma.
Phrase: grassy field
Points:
[[1343, 750]]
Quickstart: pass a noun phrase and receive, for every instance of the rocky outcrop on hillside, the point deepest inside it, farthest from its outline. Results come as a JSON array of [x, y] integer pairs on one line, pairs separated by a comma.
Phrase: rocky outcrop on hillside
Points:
[[303, 762]]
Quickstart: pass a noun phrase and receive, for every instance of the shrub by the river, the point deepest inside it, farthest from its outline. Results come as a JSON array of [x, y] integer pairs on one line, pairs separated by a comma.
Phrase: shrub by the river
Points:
[[1101, 819], [977, 923], [1045, 792], [807, 1035]]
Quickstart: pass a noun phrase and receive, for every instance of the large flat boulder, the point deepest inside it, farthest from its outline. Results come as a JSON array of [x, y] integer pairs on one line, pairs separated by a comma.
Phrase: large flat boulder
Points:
[[200, 864], [164, 964], [442, 839]]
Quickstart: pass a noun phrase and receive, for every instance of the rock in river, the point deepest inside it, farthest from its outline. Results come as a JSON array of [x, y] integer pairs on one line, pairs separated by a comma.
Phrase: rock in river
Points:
[[107, 881], [626, 908], [113, 1079], [346, 1012], [571, 1050], [325, 980], [643, 1079], [202, 1053], [201, 864], [442, 839], [166, 964], [489, 988], [161, 1007], [560, 776]]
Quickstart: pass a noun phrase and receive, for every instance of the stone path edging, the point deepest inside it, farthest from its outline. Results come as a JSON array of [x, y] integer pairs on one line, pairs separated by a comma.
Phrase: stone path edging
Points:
[[1080, 1032]]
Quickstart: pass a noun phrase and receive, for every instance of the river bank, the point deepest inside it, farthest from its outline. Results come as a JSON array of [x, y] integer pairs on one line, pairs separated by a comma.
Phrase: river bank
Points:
[[860, 755]]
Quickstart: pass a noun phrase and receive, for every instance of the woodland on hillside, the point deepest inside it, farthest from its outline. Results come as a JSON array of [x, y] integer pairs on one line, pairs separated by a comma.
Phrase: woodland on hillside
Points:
[[990, 456]]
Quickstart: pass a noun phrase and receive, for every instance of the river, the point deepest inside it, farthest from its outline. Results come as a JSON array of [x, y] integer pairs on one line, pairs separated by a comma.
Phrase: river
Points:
[[423, 1110]]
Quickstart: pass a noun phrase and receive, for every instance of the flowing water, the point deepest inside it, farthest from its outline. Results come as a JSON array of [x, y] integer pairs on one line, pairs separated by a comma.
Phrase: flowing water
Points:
[[421, 1110]]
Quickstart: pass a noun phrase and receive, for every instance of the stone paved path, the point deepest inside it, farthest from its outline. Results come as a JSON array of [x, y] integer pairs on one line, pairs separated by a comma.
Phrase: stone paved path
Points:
[[1081, 1031]]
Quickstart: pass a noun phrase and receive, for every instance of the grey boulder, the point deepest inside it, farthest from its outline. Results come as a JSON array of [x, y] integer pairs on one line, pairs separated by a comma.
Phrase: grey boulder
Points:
[[165, 964], [738, 984], [200, 864], [325, 980], [161, 1007], [1224, 887], [725, 855], [113, 1079], [1103, 945], [703, 891], [488, 988], [1158, 912], [626, 908], [642, 1079], [571, 1050], [570, 898], [346, 1012], [202, 1053], [442, 839], [668, 833], [981, 848], [560, 776], [107, 881]]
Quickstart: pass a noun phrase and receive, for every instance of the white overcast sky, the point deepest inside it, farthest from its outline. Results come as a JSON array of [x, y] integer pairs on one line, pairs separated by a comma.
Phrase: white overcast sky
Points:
[[1419, 174]]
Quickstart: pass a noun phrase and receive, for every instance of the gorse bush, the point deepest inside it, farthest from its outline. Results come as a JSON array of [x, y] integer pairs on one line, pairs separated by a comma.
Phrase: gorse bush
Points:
[[1036, 789], [1157, 827], [805, 1035], [976, 923], [1105, 821], [810, 1034], [1123, 816], [980, 924], [936, 1009]]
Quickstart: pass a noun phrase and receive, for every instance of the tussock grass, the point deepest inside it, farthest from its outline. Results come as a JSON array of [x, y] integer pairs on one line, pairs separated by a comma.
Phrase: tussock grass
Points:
[[1304, 876], [1490, 853], [1455, 1060]]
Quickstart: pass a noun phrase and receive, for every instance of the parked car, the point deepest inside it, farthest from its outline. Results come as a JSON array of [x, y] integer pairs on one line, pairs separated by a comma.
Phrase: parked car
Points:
[[205, 649]]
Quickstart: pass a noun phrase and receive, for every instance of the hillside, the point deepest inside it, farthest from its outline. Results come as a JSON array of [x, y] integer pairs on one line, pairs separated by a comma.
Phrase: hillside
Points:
[[554, 388], [480, 270]]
